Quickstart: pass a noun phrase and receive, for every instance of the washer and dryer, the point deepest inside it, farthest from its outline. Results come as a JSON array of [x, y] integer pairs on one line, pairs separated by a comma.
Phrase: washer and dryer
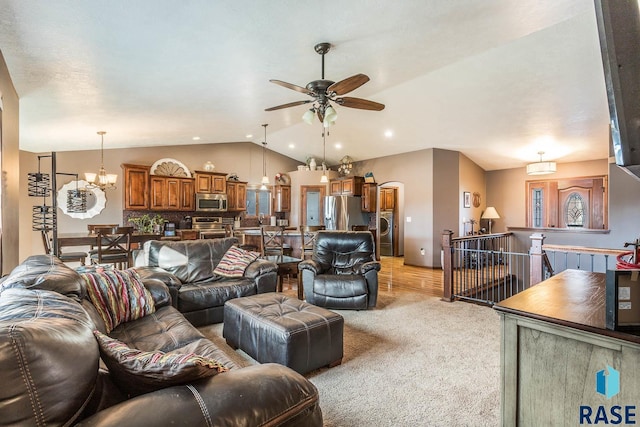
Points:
[[386, 233]]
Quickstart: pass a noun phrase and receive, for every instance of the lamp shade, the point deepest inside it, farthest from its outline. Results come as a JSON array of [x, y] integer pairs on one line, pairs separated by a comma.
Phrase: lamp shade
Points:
[[308, 116], [330, 116], [490, 213], [541, 168]]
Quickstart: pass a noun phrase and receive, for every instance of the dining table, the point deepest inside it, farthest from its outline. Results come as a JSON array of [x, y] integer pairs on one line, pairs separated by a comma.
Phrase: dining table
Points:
[[89, 239]]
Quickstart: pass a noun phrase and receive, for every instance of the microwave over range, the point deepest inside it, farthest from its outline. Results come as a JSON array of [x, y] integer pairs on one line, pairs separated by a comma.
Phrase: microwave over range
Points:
[[211, 202]]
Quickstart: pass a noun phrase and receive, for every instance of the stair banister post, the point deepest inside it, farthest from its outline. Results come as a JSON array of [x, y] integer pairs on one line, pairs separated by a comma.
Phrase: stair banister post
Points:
[[536, 269], [447, 265]]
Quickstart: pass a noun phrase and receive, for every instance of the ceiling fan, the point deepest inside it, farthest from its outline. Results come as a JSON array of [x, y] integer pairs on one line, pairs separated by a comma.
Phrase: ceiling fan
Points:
[[324, 92]]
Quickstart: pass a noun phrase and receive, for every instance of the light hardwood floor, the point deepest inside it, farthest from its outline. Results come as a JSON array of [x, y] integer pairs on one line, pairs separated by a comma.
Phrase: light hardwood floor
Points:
[[395, 277]]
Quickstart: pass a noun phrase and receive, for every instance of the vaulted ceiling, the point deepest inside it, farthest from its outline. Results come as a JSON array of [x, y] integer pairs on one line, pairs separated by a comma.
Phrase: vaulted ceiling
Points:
[[498, 80]]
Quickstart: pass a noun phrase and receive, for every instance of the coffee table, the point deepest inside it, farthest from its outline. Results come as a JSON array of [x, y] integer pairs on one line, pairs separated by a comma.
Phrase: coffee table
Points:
[[287, 265]]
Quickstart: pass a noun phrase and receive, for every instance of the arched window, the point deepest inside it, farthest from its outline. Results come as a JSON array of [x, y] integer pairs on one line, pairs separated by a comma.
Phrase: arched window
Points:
[[575, 211]]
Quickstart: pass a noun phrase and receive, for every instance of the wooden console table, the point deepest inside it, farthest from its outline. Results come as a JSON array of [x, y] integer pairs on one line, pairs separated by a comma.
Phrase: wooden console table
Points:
[[554, 341]]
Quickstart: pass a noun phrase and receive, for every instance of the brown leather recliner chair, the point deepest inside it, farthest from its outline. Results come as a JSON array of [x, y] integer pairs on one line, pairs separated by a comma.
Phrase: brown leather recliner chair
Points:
[[343, 272]]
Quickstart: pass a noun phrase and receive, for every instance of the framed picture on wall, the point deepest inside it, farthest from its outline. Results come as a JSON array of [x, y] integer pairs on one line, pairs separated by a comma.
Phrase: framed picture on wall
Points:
[[466, 196]]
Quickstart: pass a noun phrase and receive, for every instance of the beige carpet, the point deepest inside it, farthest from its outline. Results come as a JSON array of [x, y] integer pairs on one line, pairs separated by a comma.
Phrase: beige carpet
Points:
[[413, 361]]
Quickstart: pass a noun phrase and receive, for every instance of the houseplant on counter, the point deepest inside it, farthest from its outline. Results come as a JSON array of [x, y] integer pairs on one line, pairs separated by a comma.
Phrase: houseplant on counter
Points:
[[146, 222]]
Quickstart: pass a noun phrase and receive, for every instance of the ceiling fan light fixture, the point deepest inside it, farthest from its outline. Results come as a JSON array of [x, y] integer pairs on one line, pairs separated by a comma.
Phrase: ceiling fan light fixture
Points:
[[308, 116]]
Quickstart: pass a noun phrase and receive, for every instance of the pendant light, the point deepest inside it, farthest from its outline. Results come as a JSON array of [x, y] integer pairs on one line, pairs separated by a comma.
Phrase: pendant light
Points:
[[102, 179], [541, 168], [265, 178], [324, 178]]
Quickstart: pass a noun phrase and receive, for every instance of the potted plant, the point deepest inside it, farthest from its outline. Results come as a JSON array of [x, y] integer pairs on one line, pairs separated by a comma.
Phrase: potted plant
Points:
[[146, 222]]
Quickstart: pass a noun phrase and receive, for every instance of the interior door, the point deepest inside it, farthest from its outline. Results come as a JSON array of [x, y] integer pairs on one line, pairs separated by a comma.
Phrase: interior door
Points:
[[312, 204], [574, 207]]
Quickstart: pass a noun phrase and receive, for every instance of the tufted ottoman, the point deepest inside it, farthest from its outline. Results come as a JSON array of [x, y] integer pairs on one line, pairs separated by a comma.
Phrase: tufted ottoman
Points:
[[272, 327]]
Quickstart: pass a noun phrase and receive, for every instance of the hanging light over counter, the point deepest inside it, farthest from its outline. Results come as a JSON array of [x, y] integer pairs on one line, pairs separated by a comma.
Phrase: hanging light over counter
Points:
[[265, 177]]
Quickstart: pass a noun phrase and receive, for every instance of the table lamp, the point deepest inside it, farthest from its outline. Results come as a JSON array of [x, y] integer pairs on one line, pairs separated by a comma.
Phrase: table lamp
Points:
[[490, 213]]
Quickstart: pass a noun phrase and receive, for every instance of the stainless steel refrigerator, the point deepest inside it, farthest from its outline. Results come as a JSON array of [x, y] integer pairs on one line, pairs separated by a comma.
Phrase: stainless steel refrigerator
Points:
[[341, 212]]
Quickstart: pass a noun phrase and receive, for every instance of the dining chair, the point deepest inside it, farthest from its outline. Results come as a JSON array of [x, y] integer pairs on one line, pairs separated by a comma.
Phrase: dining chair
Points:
[[308, 234], [92, 227], [113, 246], [47, 241], [92, 230], [272, 242]]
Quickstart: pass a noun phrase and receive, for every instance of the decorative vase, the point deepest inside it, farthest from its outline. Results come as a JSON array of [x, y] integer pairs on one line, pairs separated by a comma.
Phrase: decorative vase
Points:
[[312, 164]]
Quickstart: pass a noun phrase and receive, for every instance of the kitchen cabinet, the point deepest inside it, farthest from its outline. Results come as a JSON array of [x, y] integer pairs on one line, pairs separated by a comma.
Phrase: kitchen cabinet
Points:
[[170, 193], [369, 197], [210, 182], [387, 199], [282, 198], [236, 196], [187, 195], [347, 186], [136, 187]]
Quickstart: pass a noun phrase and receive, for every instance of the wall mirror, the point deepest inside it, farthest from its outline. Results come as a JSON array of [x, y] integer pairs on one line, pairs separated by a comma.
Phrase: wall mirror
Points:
[[96, 200]]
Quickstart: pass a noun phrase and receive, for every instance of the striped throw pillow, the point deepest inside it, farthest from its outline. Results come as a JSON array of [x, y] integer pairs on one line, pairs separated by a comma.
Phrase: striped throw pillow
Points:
[[119, 296], [136, 371], [234, 262]]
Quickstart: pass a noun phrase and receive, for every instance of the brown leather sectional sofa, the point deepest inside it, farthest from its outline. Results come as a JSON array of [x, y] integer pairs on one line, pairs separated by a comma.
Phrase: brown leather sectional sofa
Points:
[[51, 373], [186, 267]]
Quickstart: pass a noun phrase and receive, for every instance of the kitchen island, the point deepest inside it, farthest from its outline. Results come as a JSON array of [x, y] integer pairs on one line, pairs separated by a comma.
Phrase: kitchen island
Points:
[[554, 343]]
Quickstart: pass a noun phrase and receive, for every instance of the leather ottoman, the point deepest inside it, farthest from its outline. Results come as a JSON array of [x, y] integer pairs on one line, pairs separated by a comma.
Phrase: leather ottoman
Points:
[[272, 327]]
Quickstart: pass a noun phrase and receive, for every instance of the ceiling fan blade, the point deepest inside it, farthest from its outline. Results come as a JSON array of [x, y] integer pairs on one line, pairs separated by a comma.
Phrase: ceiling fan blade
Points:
[[293, 87], [360, 103], [348, 84], [291, 104], [320, 116]]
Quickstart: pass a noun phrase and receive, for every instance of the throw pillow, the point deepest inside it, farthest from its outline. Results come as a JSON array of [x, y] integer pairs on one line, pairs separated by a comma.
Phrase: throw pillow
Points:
[[234, 262], [136, 371], [119, 296]]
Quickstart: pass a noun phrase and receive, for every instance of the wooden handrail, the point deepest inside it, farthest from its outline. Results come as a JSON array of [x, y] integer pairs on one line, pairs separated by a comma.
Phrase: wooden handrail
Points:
[[584, 250]]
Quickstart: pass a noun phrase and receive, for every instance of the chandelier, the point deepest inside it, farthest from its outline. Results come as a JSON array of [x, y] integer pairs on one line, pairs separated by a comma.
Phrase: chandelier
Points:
[[102, 179]]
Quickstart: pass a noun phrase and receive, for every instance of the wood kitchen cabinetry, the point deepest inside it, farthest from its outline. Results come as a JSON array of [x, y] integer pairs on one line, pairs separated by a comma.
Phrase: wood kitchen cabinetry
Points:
[[170, 193], [387, 199], [282, 198], [210, 182], [347, 187], [369, 197], [136, 187], [236, 196]]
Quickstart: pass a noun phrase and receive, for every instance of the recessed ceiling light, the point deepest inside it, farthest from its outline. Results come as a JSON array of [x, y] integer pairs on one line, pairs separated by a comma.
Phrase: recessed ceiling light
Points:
[[249, 136], [388, 133], [196, 138], [292, 145], [338, 145]]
